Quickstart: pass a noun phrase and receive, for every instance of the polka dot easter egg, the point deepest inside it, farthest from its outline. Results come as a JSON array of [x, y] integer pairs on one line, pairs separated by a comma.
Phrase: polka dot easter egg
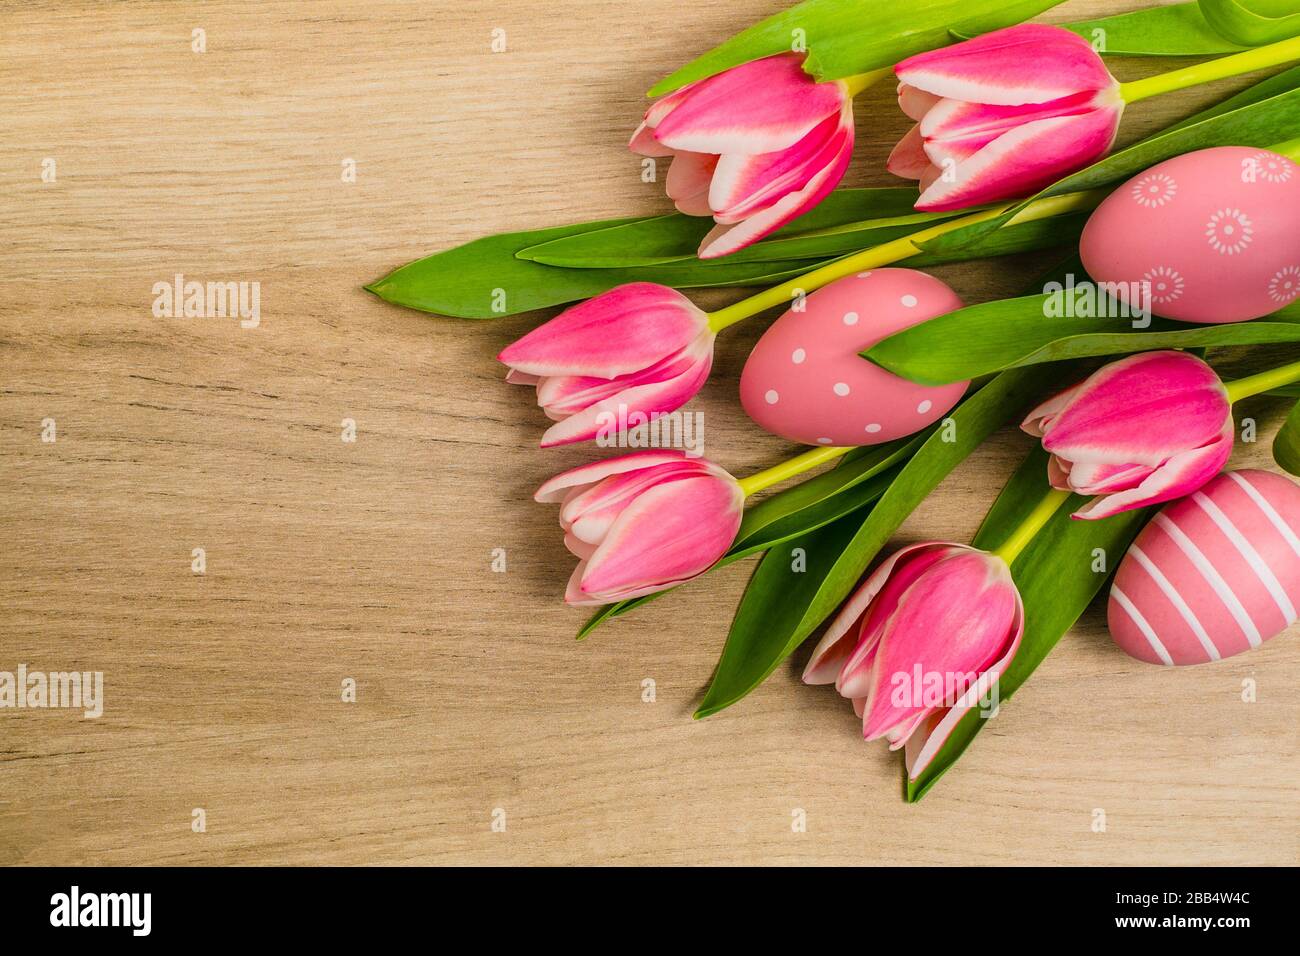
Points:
[[1214, 235], [805, 380], [1214, 574]]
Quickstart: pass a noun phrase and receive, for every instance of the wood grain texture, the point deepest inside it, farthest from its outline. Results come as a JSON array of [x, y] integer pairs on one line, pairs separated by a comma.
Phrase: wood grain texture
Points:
[[371, 560]]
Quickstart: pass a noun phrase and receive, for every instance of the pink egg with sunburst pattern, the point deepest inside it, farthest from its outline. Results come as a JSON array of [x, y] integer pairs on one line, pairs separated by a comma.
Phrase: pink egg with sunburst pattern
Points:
[[1211, 236], [1214, 574], [806, 381]]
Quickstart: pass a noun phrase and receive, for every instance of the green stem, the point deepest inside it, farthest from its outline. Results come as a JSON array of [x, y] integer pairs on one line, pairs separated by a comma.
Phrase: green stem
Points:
[[890, 252], [788, 469], [858, 82], [1010, 549], [1247, 61], [1262, 382]]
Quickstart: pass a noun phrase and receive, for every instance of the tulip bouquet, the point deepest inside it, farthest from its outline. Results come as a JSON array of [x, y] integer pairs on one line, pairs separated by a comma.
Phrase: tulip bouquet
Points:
[[1013, 148]]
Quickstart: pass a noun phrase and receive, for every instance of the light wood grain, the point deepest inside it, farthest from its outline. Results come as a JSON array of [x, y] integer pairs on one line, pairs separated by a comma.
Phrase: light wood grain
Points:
[[371, 560]]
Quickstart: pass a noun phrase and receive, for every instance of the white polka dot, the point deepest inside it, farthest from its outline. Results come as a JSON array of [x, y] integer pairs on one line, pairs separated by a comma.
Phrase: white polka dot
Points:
[[924, 407], [823, 441], [873, 427], [908, 300], [864, 275], [797, 356], [850, 318], [841, 389], [772, 397]]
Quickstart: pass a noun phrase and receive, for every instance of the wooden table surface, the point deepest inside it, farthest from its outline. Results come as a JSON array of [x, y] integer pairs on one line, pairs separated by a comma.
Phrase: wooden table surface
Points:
[[371, 560]]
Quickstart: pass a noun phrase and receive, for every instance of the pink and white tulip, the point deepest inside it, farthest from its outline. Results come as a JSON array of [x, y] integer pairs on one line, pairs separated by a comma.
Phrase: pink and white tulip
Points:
[[1003, 115], [1145, 429], [643, 522], [753, 147], [637, 350], [923, 640]]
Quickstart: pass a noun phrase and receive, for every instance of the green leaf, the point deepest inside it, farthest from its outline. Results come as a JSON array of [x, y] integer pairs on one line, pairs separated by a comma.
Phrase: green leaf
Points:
[[1286, 444], [485, 279], [847, 37], [1010, 333], [1262, 116], [846, 221], [1056, 580], [1253, 22], [1178, 30], [861, 477], [782, 606]]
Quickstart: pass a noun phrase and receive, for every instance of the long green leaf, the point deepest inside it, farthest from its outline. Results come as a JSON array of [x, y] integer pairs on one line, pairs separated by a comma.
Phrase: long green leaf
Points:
[[676, 237], [1286, 444], [1264, 115], [1178, 30], [846, 37], [1253, 22], [782, 605], [1010, 333], [1058, 575]]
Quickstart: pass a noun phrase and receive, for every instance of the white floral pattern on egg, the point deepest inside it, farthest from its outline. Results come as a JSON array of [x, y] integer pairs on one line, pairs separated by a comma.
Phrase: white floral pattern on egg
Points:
[[806, 381], [1216, 233]]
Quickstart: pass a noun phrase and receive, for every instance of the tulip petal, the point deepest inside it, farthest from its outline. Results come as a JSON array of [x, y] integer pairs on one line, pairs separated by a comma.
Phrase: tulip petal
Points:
[[1099, 422], [647, 399], [667, 534], [1092, 478], [643, 142], [926, 739], [623, 330], [1029, 63], [589, 514], [908, 159], [957, 618], [1025, 159], [688, 180], [725, 239], [828, 657], [855, 677], [915, 103], [757, 107], [744, 184], [1181, 475], [516, 377], [566, 481], [1042, 416]]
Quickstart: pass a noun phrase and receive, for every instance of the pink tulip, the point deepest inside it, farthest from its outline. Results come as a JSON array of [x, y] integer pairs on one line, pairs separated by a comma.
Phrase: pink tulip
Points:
[[1145, 429], [643, 522], [922, 641], [1003, 115], [640, 348], [753, 147]]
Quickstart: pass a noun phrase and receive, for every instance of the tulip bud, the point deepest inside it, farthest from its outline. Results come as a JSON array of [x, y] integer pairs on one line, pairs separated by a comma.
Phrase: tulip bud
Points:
[[643, 522], [1145, 429], [1003, 115], [753, 147], [921, 642], [636, 351]]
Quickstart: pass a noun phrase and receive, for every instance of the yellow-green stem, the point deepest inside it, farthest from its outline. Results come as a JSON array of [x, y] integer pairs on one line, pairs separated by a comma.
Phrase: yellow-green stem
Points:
[[891, 252], [857, 83], [1262, 382], [1010, 549], [1247, 61], [788, 469]]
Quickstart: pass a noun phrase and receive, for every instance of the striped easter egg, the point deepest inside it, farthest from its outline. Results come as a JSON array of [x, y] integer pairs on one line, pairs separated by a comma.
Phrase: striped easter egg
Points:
[[1213, 574]]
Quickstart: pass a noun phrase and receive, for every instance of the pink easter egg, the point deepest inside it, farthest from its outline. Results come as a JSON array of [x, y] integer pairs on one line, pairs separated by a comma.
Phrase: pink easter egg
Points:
[[806, 381], [1213, 574], [1216, 233]]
